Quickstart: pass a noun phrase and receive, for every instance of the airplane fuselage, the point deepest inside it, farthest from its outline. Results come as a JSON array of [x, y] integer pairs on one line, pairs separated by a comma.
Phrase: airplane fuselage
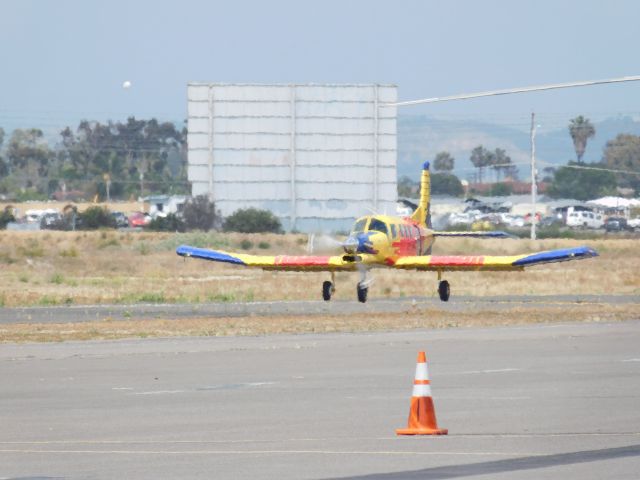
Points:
[[387, 238]]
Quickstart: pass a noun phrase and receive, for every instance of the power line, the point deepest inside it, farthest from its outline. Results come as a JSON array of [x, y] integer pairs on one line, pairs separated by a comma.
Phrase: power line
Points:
[[509, 91], [584, 167]]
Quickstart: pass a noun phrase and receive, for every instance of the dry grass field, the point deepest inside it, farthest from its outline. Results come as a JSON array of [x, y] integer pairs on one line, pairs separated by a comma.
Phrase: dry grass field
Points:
[[58, 268], [72, 268]]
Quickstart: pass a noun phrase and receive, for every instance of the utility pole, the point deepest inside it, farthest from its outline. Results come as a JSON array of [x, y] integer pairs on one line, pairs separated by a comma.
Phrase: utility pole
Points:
[[141, 191], [534, 186]]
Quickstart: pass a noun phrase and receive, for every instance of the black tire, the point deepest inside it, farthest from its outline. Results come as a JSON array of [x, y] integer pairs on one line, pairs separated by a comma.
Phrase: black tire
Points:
[[326, 290], [444, 290], [362, 293]]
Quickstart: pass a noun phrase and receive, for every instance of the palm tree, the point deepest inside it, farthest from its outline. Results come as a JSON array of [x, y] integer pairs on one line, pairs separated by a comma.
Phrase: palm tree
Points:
[[501, 162], [581, 130], [481, 158], [443, 162]]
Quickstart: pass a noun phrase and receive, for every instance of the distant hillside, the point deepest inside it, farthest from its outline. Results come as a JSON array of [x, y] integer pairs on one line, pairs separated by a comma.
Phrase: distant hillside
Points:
[[421, 137]]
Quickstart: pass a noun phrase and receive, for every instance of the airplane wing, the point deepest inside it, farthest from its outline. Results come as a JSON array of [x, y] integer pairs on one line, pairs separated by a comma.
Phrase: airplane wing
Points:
[[270, 262], [492, 262], [484, 234]]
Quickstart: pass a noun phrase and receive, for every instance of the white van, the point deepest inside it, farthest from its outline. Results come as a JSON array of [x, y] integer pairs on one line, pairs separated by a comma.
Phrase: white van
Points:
[[584, 219]]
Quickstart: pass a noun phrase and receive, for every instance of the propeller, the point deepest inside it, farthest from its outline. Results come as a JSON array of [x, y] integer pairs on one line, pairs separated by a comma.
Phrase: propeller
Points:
[[355, 243], [323, 243]]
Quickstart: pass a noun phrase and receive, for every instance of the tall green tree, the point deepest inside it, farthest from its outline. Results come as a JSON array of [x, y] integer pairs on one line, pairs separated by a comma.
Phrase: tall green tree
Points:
[[137, 157], [501, 162], [446, 184], [443, 162], [30, 158], [581, 130], [623, 153], [481, 158], [4, 168], [582, 184], [511, 172]]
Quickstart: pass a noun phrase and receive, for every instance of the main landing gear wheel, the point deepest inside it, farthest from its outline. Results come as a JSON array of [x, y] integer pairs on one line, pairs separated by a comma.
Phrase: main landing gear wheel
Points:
[[362, 293], [327, 290], [444, 290], [329, 287]]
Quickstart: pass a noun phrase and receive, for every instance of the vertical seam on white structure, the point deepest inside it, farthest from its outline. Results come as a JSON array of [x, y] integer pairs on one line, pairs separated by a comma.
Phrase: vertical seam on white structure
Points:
[[422, 372], [421, 391], [376, 126], [210, 158], [292, 160]]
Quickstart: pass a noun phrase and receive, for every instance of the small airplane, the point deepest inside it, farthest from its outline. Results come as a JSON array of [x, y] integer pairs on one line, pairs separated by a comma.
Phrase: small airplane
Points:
[[378, 241]]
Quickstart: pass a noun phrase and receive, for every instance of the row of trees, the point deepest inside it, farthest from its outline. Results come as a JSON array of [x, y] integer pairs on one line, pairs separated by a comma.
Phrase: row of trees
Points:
[[618, 168], [481, 158], [112, 160], [118, 160]]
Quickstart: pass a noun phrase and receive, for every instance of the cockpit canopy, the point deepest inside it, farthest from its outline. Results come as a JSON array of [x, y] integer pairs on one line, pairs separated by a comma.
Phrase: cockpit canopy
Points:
[[370, 224]]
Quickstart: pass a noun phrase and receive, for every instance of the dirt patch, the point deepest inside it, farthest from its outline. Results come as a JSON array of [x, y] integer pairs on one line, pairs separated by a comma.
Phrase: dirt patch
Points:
[[431, 318]]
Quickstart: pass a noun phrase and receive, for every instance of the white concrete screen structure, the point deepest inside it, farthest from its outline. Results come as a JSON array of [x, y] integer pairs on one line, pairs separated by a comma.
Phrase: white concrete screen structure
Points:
[[315, 155]]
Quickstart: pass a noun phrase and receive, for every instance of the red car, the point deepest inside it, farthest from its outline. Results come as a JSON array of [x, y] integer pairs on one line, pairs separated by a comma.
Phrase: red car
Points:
[[139, 219]]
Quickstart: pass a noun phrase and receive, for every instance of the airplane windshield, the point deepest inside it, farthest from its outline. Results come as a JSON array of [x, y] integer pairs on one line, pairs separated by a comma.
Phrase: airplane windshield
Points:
[[378, 226], [359, 225]]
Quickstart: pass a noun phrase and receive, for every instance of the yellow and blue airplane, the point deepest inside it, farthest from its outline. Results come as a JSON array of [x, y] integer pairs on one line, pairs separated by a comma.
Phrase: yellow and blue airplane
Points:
[[379, 241]]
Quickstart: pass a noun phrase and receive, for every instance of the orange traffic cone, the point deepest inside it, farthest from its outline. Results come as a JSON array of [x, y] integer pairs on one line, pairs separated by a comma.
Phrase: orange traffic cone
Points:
[[422, 415]]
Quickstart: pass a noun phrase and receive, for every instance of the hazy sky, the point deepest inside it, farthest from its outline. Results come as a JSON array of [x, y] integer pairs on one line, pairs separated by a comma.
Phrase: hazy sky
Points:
[[65, 60]]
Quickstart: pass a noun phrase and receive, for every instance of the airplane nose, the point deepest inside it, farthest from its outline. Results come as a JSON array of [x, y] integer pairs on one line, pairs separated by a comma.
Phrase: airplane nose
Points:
[[365, 244], [350, 245]]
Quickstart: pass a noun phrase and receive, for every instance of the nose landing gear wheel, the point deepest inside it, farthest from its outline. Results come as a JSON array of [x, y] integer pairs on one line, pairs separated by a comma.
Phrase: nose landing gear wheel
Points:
[[327, 290], [362, 293], [444, 290]]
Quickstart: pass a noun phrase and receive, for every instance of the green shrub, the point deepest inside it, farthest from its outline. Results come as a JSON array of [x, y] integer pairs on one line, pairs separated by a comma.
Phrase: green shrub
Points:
[[5, 217], [446, 184], [252, 220], [70, 252], [96, 217], [170, 223], [200, 213], [501, 189], [57, 278], [246, 244]]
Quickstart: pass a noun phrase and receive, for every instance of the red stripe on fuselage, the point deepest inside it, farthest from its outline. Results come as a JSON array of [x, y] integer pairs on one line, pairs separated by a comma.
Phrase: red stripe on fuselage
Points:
[[296, 261], [457, 260]]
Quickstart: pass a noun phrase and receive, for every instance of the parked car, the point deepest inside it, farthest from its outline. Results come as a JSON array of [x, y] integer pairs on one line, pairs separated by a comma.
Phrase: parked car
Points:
[[527, 218], [121, 219], [551, 221], [584, 219], [514, 221], [617, 224], [466, 218], [634, 223], [139, 219], [50, 220]]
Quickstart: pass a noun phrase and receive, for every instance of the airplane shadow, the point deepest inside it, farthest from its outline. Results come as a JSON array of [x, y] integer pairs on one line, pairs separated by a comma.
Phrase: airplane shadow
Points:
[[507, 465]]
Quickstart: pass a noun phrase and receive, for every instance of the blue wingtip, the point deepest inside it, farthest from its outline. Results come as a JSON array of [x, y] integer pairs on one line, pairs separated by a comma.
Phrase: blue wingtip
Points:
[[425, 165], [559, 255], [203, 253]]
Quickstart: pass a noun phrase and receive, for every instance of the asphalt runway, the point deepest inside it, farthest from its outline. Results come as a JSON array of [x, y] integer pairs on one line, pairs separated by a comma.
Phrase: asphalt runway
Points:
[[86, 313], [525, 402]]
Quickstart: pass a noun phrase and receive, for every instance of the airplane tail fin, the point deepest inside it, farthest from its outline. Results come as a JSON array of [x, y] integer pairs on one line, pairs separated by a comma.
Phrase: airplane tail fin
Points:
[[422, 214]]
